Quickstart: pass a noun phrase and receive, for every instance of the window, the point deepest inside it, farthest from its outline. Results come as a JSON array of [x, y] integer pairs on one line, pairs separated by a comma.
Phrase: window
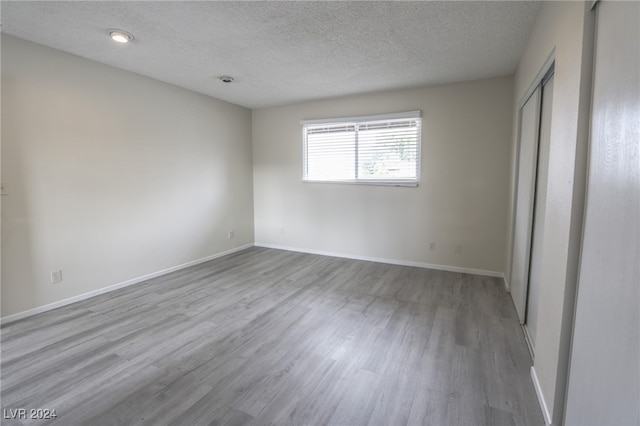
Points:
[[383, 149]]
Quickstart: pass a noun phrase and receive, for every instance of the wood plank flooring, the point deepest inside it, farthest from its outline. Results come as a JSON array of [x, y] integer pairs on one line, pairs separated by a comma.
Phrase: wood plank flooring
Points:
[[266, 336]]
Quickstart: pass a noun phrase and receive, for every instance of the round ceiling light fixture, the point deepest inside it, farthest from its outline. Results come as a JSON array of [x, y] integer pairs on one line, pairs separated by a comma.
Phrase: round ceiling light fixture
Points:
[[120, 36], [226, 79]]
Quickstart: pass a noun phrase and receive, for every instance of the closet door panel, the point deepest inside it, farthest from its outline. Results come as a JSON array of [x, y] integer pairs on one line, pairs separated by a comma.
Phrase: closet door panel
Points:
[[604, 375], [533, 293], [525, 192]]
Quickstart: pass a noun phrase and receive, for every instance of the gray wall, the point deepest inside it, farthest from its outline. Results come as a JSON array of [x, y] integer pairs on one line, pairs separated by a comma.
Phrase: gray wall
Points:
[[111, 176], [461, 199]]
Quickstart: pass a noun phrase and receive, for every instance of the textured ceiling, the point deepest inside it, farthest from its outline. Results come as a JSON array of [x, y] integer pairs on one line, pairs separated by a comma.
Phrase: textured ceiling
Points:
[[286, 52]]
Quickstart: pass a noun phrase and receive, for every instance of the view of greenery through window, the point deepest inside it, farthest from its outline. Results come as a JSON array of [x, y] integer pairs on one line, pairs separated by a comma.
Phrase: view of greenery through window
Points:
[[385, 150]]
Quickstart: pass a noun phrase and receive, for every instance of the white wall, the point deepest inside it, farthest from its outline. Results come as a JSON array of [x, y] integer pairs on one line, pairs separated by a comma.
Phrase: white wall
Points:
[[563, 30], [112, 176], [604, 380], [462, 197]]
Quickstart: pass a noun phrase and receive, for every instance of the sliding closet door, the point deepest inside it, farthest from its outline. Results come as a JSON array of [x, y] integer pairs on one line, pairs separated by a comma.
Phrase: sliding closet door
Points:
[[604, 375], [533, 288], [524, 198]]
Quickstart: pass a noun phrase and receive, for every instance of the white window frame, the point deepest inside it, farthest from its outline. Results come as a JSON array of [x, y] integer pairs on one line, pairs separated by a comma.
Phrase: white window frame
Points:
[[357, 121]]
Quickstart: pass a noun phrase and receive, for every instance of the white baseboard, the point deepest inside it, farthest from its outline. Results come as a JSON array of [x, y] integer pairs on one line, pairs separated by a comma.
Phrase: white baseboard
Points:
[[543, 405], [84, 296], [389, 261], [506, 283]]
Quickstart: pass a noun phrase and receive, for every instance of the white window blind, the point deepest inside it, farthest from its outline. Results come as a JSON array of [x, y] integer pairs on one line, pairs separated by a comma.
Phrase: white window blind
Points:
[[376, 149]]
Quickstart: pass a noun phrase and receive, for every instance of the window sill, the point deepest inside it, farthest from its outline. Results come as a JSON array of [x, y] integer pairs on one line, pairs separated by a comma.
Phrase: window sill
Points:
[[367, 182]]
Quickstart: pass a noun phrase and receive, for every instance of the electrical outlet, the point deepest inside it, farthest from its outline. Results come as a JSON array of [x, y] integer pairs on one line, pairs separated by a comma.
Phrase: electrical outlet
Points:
[[230, 234], [458, 248], [56, 276], [432, 246]]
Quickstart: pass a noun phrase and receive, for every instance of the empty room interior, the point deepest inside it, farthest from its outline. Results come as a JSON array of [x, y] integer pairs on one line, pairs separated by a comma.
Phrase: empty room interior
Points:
[[301, 213]]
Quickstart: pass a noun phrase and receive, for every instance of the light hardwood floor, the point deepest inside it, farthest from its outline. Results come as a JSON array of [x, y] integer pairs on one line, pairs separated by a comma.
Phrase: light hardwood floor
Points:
[[273, 337]]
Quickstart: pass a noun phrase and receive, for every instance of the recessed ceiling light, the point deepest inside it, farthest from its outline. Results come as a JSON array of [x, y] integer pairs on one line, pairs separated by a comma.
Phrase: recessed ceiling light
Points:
[[226, 79], [120, 36]]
